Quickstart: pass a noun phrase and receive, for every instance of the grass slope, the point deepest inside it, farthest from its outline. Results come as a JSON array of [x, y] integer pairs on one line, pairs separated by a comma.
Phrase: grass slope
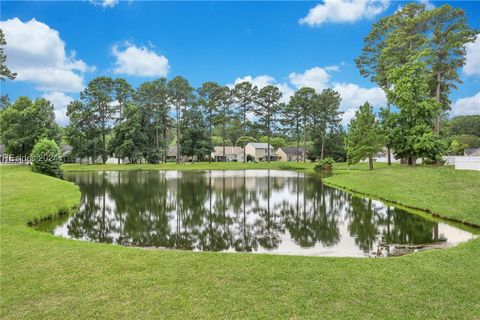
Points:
[[43, 276]]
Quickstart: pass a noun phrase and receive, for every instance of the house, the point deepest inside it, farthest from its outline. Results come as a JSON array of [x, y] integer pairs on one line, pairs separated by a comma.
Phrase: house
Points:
[[289, 154], [258, 151], [472, 152], [232, 154]]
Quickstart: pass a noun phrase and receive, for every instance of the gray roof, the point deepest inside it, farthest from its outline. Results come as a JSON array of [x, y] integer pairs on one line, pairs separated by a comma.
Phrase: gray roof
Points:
[[66, 149], [472, 152], [292, 150], [259, 145], [172, 152]]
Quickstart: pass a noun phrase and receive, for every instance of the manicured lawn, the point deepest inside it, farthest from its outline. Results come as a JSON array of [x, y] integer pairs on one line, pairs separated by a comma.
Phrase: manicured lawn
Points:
[[47, 277]]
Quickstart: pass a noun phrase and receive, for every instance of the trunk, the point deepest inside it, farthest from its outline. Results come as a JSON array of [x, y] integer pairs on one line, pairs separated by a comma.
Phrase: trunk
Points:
[[178, 134], [323, 140], [158, 145], [165, 150], [437, 98], [244, 133], [389, 157], [210, 135], [223, 139], [298, 141], [304, 139], [370, 163], [104, 158], [268, 143]]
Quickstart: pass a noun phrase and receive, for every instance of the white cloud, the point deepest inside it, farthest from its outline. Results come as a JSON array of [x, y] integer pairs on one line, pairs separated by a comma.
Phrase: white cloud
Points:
[[353, 96], [428, 4], [467, 106], [37, 54], [265, 80], [341, 11], [139, 61], [472, 66], [60, 101], [316, 78], [105, 3]]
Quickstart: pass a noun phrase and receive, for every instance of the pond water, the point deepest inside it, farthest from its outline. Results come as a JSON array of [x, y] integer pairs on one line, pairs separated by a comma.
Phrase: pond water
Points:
[[262, 211]]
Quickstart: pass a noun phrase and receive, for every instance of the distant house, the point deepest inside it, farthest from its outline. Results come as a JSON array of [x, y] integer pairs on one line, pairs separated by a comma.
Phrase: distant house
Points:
[[472, 152], [258, 151], [232, 154], [289, 154]]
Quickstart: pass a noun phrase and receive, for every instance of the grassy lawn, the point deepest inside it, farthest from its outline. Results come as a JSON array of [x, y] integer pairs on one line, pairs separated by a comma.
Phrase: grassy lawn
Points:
[[43, 276]]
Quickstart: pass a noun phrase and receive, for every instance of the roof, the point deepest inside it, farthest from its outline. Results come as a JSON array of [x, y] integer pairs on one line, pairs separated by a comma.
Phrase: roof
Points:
[[259, 145], [218, 150], [472, 152], [292, 151], [172, 152], [66, 149]]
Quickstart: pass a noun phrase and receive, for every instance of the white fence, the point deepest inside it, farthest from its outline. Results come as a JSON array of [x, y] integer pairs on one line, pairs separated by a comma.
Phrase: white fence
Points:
[[467, 163]]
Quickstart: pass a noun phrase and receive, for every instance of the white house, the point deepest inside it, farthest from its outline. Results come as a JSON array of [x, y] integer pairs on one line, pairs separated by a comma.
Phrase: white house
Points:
[[232, 154], [258, 151]]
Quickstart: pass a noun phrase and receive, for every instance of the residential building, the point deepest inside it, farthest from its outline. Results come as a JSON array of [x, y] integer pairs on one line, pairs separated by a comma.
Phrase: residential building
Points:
[[232, 154], [258, 151], [289, 154]]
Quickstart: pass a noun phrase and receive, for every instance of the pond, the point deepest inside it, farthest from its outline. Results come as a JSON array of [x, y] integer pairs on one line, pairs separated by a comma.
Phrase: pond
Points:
[[261, 211]]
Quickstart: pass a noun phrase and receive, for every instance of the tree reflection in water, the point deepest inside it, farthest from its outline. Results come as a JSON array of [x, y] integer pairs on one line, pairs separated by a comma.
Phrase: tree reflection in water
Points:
[[251, 211]]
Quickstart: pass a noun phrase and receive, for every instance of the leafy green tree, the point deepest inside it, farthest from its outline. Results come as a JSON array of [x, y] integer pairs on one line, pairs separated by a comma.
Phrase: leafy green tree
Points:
[[123, 95], [298, 112], [224, 114], [25, 122], [99, 97], [450, 34], [325, 115], [47, 158], [195, 138], [267, 108], [413, 136], [466, 125], [181, 97], [5, 72], [458, 143], [152, 99], [364, 138], [83, 133], [211, 98], [275, 142], [129, 140], [244, 94]]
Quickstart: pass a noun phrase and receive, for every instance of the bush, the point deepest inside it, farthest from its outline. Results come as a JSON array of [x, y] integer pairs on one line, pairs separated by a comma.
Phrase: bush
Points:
[[47, 158], [324, 164]]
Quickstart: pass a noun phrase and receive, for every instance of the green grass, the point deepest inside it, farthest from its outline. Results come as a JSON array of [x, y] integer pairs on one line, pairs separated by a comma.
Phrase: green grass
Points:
[[43, 276]]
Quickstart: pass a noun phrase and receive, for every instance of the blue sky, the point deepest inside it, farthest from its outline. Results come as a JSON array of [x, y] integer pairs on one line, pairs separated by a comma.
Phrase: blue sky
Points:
[[57, 47]]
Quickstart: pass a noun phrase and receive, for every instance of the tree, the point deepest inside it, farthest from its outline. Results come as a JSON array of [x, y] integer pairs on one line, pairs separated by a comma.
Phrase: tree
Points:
[[195, 139], [25, 122], [224, 114], [123, 95], [83, 133], [276, 142], [180, 96], [5, 72], [466, 125], [298, 111], [364, 138], [152, 99], [267, 107], [413, 136], [450, 34], [211, 96], [244, 94], [325, 114], [47, 158], [129, 139], [99, 96]]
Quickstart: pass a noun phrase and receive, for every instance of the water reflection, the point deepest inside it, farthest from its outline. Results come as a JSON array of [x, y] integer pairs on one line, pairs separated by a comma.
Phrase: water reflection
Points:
[[246, 211]]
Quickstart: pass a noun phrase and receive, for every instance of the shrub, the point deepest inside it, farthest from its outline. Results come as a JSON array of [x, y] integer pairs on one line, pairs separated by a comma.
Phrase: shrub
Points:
[[325, 163], [47, 158]]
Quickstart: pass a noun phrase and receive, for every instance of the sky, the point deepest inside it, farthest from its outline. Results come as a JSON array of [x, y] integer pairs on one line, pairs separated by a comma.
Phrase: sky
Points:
[[56, 48]]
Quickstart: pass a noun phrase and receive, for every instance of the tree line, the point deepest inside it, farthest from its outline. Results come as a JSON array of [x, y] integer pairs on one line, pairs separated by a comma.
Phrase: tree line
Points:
[[112, 118]]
